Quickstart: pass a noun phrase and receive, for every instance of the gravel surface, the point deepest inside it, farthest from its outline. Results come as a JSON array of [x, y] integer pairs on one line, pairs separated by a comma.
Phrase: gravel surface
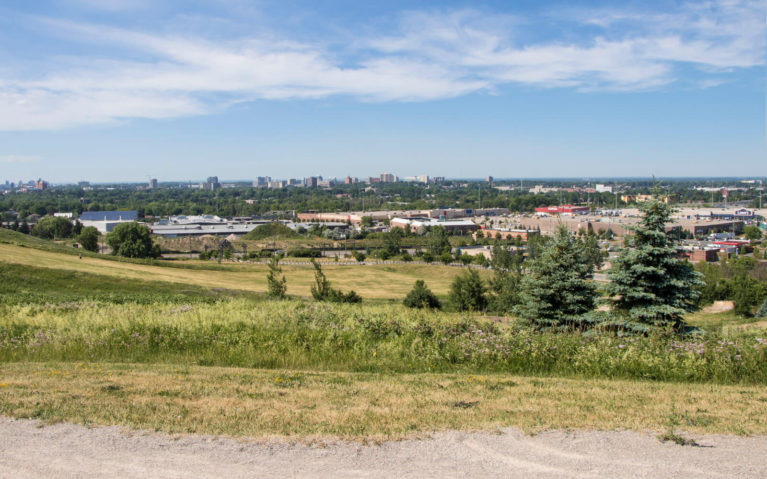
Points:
[[29, 450]]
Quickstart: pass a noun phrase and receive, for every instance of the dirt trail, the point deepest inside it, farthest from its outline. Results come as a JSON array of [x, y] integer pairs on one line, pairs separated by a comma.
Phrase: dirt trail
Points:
[[68, 451]]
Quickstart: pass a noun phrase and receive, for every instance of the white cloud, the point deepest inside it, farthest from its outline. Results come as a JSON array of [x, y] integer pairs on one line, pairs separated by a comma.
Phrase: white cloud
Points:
[[432, 55]]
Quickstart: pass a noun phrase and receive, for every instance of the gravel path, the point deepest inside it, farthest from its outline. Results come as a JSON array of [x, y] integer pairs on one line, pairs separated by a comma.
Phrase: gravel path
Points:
[[68, 451]]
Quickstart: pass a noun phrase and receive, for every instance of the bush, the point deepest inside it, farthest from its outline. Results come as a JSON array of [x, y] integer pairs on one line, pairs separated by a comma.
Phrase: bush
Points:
[[467, 292], [421, 297], [359, 256], [305, 253]]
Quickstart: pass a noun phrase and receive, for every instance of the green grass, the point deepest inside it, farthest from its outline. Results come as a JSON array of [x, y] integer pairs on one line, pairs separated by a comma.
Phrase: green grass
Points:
[[30, 284], [379, 282], [367, 338], [196, 349]]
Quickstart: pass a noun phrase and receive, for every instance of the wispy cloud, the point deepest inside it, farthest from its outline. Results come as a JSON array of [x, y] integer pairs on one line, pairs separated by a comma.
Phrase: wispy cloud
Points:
[[429, 56]]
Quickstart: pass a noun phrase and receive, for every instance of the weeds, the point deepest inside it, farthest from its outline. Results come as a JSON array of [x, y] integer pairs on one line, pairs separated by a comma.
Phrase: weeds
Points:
[[370, 338], [673, 421]]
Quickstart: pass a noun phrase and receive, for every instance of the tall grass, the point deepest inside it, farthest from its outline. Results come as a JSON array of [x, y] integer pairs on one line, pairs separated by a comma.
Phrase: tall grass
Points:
[[368, 338]]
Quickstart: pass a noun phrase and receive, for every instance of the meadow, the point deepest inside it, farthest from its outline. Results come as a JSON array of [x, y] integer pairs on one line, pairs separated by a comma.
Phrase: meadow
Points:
[[198, 349], [376, 281]]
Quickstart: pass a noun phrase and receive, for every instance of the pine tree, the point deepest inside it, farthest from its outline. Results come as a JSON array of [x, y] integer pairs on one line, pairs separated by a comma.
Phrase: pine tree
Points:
[[321, 290], [277, 284], [650, 286], [556, 293]]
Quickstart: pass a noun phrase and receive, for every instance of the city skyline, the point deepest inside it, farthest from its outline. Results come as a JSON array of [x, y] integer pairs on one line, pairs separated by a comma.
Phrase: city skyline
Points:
[[125, 91]]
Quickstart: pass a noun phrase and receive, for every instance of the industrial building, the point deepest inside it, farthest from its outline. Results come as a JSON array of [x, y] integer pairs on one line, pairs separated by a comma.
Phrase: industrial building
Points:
[[563, 210], [453, 226], [506, 233], [106, 221]]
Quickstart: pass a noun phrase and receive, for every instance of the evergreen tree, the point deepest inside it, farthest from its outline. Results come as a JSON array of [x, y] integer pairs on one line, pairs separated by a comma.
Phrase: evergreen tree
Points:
[[649, 284], [556, 293], [321, 290], [277, 284]]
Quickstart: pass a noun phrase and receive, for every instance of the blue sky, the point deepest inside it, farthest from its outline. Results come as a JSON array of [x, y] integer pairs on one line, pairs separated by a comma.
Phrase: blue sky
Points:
[[124, 90]]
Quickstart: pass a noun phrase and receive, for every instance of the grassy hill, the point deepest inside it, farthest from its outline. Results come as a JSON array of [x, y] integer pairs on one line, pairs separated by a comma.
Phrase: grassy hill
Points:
[[379, 282], [192, 347]]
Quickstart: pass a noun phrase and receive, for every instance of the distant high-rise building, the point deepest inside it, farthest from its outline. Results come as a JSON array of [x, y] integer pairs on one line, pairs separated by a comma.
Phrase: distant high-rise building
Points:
[[348, 180], [261, 181], [388, 178], [423, 178], [489, 179], [312, 181], [438, 179], [40, 184], [212, 183], [153, 183]]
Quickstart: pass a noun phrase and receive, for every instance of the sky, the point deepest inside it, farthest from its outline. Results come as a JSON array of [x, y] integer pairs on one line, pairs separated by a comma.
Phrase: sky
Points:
[[127, 90]]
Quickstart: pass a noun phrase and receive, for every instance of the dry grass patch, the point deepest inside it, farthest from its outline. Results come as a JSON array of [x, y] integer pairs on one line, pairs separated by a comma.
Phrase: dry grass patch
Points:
[[266, 403], [370, 281]]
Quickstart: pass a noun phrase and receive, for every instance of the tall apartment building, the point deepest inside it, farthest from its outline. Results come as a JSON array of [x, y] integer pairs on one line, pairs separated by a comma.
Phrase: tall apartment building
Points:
[[261, 181], [212, 183], [388, 178], [153, 183]]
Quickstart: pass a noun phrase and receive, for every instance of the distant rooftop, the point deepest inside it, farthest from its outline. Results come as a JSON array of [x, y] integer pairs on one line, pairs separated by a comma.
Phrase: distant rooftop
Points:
[[109, 216]]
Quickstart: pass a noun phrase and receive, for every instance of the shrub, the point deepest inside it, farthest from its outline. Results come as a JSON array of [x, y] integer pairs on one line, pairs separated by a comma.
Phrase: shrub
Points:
[[468, 292], [305, 253], [421, 297]]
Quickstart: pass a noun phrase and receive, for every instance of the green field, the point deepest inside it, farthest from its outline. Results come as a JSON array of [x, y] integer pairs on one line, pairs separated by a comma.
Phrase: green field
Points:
[[194, 347]]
